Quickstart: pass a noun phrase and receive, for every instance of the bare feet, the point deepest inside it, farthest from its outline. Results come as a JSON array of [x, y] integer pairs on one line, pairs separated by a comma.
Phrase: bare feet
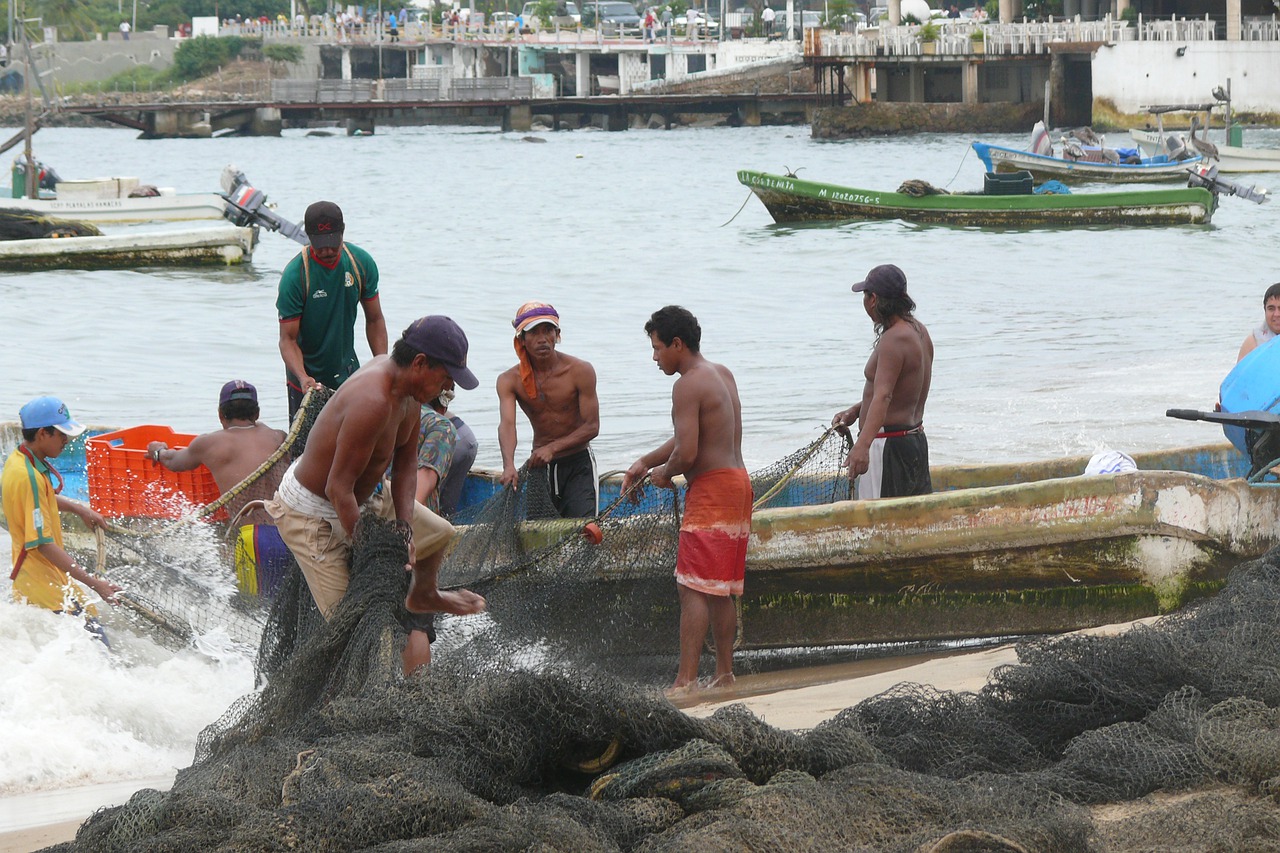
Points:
[[681, 691], [427, 599], [722, 681]]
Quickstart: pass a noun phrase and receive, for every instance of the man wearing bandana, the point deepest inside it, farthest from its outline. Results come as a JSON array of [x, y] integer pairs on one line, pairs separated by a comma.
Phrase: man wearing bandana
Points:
[[557, 393]]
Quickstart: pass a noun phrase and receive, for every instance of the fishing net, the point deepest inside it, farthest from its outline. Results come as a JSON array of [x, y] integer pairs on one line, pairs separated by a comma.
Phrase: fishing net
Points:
[[535, 728], [175, 574]]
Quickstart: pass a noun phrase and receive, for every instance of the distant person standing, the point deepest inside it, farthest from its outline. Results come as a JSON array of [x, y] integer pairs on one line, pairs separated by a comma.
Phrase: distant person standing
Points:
[[890, 457], [43, 572], [393, 24], [124, 29], [557, 393], [319, 293], [691, 23], [650, 24], [1270, 326], [716, 524], [767, 16]]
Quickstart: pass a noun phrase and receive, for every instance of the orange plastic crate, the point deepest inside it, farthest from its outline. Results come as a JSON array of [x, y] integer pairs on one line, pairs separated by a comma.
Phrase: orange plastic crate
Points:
[[124, 482]]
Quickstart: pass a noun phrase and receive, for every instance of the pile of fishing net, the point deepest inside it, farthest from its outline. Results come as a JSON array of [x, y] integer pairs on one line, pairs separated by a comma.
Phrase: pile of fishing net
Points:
[[514, 739]]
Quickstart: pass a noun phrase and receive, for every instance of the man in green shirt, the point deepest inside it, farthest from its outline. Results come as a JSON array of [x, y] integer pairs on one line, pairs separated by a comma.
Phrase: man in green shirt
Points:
[[319, 292]]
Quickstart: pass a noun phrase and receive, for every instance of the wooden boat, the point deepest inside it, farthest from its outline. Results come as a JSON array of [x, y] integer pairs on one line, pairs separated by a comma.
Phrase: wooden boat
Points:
[[997, 550], [198, 246], [94, 207], [790, 199], [997, 158]]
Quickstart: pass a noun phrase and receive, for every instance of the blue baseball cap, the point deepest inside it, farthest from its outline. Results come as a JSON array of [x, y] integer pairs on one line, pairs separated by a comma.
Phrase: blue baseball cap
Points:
[[49, 412], [441, 339]]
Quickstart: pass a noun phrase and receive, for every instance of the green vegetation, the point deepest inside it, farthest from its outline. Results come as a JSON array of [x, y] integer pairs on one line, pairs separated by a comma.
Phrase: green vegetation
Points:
[[838, 11], [282, 53], [929, 32], [202, 56], [545, 10], [194, 58]]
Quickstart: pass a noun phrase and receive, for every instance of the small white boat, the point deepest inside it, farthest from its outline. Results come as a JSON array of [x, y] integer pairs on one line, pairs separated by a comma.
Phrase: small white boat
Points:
[[196, 246], [1228, 158], [109, 200], [1079, 162]]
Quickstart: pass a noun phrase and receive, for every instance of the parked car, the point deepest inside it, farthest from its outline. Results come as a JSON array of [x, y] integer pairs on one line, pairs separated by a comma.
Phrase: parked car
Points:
[[613, 14], [502, 21], [566, 15]]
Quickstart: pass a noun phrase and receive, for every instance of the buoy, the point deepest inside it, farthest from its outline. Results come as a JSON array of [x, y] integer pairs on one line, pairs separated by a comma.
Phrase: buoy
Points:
[[592, 533]]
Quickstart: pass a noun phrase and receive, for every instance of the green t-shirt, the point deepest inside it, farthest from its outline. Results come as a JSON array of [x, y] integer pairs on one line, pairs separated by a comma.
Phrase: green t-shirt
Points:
[[326, 302]]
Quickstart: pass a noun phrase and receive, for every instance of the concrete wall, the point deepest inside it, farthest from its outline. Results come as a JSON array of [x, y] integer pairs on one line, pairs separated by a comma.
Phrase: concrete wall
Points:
[[1133, 75], [88, 61]]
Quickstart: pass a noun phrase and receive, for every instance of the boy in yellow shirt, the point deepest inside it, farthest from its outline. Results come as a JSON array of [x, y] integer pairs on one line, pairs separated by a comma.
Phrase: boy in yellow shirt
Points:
[[43, 572]]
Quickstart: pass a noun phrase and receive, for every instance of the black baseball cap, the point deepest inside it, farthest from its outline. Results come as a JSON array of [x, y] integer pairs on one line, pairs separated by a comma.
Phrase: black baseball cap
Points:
[[324, 225], [439, 338], [884, 280]]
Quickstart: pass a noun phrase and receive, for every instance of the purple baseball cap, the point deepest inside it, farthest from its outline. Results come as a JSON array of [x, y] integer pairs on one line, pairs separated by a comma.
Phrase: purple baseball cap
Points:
[[440, 339], [237, 389], [884, 280]]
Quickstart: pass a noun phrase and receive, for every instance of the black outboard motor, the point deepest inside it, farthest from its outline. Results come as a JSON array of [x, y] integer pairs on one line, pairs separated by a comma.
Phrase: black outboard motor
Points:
[[248, 206]]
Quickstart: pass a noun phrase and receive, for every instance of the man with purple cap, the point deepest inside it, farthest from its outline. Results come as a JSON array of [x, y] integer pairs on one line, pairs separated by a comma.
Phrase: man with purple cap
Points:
[[319, 293], [371, 424], [231, 454], [557, 393], [890, 457], [43, 572]]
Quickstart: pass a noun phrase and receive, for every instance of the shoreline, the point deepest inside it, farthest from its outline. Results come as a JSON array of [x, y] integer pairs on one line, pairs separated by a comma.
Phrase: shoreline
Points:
[[38, 819]]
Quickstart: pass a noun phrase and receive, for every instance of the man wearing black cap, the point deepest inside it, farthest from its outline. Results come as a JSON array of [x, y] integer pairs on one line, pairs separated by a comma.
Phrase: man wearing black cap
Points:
[[890, 457], [231, 454], [371, 424], [319, 292]]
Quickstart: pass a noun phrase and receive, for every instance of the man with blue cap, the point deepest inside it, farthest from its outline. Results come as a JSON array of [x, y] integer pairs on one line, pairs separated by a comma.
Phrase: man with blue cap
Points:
[[43, 572], [371, 425]]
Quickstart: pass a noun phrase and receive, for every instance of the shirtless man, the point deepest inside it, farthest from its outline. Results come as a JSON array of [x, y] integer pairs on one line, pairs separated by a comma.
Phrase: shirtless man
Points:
[[231, 454], [890, 457], [715, 527], [369, 424], [557, 393], [1270, 326]]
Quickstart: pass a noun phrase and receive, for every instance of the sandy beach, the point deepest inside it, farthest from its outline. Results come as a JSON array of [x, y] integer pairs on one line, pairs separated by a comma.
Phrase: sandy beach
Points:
[[43, 818]]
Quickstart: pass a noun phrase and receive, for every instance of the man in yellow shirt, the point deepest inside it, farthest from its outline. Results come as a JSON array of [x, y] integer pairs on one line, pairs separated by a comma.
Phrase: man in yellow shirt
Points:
[[42, 570]]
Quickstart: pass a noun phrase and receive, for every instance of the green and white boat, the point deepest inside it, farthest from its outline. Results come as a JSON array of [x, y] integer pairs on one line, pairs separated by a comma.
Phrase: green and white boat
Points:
[[791, 199]]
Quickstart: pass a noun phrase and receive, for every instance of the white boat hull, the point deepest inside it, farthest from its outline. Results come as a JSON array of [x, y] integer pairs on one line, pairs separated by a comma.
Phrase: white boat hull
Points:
[[1009, 160], [215, 244], [1230, 158], [164, 208]]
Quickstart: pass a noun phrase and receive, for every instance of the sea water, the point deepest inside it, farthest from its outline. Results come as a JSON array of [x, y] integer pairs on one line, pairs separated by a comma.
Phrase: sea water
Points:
[[1049, 342]]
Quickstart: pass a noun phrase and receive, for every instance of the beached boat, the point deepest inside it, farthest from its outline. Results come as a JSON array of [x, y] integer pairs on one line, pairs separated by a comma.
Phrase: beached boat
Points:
[[790, 199], [1091, 165], [1004, 549], [195, 246]]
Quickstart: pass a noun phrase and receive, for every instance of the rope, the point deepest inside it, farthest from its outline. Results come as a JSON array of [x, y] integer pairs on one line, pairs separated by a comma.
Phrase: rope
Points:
[[740, 209], [958, 168]]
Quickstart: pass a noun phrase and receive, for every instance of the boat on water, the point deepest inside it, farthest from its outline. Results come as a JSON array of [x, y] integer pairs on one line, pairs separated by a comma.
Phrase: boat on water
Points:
[[1228, 157], [217, 244], [1080, 163], [1008, 549], [790, 199], [113, 200]]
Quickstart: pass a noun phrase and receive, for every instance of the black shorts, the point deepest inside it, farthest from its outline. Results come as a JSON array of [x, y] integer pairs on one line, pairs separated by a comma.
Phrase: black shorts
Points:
[[425, 622], [903, 467], [570, 483]]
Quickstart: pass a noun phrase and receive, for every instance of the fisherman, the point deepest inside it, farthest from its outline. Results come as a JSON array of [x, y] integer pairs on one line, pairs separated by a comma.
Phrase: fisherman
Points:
[[43, 571], [371, 424], [446, 451], [317, 299], [557, 393], [890, 457], [1270, 326], [707, 450], [232, 454]]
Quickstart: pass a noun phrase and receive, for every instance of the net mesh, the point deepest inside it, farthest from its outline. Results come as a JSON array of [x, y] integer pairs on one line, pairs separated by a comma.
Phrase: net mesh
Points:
[[535, 728]]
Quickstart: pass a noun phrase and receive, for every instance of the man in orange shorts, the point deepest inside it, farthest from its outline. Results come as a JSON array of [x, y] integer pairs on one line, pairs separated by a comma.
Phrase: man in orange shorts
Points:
[[715, 528]]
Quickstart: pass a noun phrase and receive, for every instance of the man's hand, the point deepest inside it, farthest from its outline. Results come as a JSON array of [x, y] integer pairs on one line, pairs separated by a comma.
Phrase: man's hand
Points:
[[840, 422], [859, 461], [308, 383], [541, 457], [658, 476], [154, 449], [630, 480], [405, 529], [105, 589], [510, 477]]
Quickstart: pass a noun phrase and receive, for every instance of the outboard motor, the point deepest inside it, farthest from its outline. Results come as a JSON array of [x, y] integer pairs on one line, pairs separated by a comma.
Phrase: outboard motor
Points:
[[248, 206], [1207, 177]]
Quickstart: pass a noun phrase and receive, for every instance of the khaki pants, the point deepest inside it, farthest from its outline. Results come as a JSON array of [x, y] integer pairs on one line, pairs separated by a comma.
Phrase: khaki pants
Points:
[[323, 549]]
